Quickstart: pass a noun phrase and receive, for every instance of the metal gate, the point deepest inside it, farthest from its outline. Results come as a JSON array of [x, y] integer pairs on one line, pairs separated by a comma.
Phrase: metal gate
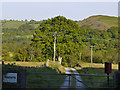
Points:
[[54, 80]]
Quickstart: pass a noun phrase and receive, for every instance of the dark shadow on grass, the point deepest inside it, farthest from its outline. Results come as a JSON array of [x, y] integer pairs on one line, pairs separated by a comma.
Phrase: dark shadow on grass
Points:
[[97, 80]]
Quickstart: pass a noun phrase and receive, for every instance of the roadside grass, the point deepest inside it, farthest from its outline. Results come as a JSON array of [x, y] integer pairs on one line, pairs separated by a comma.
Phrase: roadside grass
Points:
[[59, 68], [44, 79], [95, 65], [97, 69]]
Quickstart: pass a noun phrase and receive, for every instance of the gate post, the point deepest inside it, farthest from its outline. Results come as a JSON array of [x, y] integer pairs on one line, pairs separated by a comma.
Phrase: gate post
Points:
[[116, 79], [108, 69]]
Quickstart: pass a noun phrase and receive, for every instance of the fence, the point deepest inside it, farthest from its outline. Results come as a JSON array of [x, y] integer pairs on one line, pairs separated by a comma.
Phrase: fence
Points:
[[50, 83], [55, 80]]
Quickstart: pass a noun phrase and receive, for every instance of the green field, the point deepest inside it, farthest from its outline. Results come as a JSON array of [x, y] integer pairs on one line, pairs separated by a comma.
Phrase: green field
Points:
[[38, 78], [12, 24], [26, 64], [44, 79], [56, 66], [100, 22], [96, 65], [97, 69]]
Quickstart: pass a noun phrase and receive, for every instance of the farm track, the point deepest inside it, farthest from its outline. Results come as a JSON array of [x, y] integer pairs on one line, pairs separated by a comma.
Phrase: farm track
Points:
[[79, 85], [66, 82]]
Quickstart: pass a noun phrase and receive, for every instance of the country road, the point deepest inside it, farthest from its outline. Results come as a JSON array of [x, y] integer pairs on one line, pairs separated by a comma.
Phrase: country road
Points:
[[66, 82], [79, 85], [78, 79]]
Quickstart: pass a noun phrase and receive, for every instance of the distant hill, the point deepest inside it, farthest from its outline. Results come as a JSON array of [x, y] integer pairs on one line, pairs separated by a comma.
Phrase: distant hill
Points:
[[100, 22], [12, 23], [16, 24]]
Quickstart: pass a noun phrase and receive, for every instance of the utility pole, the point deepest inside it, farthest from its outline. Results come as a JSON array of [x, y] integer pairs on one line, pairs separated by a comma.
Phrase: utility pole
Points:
[[91, 54], [55, 34]]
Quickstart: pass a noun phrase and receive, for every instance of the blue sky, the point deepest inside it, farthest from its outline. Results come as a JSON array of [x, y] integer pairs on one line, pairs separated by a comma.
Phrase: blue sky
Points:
[[45, 10]]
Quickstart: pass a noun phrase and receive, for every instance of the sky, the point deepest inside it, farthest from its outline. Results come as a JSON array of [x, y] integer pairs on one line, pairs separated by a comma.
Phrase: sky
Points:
[[59, 0], [39, 10]]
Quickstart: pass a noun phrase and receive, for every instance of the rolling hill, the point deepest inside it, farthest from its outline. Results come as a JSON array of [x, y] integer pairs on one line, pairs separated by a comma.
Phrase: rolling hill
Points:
[[16, 24], [100, 22], [12, 23]]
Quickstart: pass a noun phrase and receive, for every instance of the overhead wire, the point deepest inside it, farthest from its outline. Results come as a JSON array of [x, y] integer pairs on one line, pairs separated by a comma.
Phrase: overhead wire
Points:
[[69, 36]]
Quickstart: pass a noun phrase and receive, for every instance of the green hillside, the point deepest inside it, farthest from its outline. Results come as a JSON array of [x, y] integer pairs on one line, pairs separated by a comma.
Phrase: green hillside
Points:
[[12, 23], [16, 24], [100, 22], [17, 33]]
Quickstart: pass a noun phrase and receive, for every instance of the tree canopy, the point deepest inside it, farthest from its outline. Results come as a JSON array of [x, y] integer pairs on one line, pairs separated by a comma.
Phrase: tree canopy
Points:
[[70, 42]]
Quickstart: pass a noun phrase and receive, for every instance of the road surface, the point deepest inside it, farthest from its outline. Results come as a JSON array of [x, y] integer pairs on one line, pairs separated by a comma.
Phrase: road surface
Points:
[[66, 82], [78, 79], [79, 85]]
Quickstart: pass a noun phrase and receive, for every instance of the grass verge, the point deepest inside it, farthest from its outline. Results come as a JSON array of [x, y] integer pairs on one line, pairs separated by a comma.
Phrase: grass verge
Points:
[[97, 69]]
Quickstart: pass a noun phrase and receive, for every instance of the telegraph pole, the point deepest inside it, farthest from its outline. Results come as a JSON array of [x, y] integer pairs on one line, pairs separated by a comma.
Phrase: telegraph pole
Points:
[[91, 54], [55, 33]]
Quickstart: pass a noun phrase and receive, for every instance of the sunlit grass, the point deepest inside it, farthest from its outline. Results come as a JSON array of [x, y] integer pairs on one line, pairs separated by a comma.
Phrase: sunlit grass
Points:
[[27, 64], [96, 65]]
